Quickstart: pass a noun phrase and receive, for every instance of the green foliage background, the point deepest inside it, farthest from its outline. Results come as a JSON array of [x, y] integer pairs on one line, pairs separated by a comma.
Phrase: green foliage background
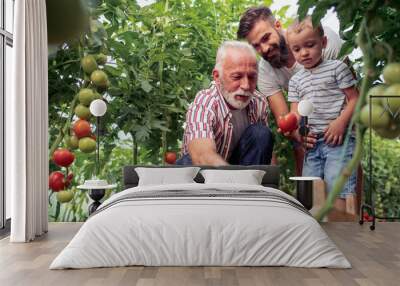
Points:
[[385, 174], [159, 57]]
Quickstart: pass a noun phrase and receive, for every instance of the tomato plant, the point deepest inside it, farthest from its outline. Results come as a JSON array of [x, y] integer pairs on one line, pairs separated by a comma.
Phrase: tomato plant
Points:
[[372, 26]]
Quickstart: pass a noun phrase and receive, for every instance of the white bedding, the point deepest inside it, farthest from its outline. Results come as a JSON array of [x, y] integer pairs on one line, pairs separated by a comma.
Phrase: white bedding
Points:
[[183, 231]]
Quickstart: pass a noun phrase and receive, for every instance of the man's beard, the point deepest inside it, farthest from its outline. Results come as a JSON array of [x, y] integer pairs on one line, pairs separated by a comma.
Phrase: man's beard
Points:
[[230, 97], [280, 60]]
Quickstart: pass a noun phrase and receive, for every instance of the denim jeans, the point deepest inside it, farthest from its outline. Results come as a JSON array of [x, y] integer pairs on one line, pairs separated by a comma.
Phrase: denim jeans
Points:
[[326, 162], [254, 147]]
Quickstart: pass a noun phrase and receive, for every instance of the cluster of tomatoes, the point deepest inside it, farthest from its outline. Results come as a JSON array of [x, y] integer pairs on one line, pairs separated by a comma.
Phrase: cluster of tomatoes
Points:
[[58, 181], [81, 135], [382, 113]]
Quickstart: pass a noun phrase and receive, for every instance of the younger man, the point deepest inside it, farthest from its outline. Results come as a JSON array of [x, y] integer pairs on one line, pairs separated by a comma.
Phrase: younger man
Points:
[[330, 86]]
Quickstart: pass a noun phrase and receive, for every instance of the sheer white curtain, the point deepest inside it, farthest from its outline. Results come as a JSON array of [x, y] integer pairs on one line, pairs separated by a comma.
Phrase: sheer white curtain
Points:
[[27, 123]]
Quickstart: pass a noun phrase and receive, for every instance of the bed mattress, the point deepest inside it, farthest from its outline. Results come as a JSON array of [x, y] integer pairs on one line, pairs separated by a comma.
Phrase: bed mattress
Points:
[[201, 225]]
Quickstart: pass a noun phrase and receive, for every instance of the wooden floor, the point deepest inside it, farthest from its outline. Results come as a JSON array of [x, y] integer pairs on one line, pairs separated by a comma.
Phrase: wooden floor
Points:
[[375, 256]]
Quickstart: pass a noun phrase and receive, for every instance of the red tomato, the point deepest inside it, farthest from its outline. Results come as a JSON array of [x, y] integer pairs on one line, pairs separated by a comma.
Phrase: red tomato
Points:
[[170, 157], [63, 157], [367, 217], [56, 181], [82, 128], [288, 122]]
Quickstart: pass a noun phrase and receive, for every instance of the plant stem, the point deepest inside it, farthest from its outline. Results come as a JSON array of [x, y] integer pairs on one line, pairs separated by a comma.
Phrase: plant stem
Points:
[[135, 150], [66, 62], [64, 130], [346, 172], [58, 205]]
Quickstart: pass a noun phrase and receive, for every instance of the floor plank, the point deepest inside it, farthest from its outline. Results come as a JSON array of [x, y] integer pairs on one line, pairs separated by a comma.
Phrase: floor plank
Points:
[[374, 255]]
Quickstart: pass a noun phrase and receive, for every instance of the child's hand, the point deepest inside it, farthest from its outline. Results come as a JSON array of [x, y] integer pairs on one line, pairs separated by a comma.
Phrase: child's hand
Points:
[[334, 132], [309, 141]]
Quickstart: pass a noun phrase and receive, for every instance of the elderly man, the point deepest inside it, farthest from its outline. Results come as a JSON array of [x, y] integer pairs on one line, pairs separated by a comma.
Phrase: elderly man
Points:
[[260, 28], [227, 123]]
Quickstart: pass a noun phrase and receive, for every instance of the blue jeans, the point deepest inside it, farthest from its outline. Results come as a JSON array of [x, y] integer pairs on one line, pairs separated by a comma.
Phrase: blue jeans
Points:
[[326, 162], [254, 147]]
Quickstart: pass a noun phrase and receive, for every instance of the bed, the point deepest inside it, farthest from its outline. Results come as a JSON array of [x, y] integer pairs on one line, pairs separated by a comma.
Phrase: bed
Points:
[[197, 224]]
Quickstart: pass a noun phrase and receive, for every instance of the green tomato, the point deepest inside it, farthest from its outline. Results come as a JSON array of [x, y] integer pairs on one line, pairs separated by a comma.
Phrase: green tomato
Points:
[[87, 145], [64, 196], [391, 132], [86, 95], [88, 64], [72, 142], [379, 117], [391, 73], [82, 112], [99, 78], [393, 103], [101, 59], [378, 90]]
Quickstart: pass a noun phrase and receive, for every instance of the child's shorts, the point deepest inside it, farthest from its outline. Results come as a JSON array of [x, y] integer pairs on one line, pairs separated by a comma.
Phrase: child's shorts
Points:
[[326, 162]]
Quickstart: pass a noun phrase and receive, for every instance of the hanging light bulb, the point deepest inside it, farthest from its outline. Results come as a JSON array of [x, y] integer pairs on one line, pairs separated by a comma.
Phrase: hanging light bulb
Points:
[[305, 107], [98, 107]]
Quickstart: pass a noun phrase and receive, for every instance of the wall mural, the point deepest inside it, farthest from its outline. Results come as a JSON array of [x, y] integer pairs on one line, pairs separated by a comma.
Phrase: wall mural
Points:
[[147, 64]]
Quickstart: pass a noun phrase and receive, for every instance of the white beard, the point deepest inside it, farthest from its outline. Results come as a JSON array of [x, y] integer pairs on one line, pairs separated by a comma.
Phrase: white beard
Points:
[[235, 103]]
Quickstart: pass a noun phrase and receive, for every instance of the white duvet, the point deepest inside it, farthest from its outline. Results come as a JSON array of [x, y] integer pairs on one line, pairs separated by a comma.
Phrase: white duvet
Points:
[[188, 231]]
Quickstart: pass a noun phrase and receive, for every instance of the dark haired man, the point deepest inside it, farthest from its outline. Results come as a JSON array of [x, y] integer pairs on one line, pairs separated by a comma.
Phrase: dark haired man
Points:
[[260, 28]]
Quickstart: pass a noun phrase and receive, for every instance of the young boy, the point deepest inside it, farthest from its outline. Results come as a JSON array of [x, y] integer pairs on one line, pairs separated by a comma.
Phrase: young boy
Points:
[[330, 86]]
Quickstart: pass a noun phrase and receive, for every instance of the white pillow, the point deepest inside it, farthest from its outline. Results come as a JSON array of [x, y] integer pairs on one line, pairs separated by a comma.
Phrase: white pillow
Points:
[[248, 177], [166, 176]]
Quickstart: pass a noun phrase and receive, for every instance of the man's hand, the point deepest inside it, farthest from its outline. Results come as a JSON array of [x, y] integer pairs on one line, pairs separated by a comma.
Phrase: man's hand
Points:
[[293, 135], [334, 132], [278, 105], [308, 141]]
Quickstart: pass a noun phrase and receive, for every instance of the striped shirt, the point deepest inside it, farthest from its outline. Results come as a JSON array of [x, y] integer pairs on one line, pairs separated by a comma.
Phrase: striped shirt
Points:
[[323, 86], [209, 117]]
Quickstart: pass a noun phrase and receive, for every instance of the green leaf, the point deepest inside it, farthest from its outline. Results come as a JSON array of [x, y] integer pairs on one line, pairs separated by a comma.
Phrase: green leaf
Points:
[[304, 6], [112, 70], [346, 49], [282, 11], [142, 133], [160, 125], [114, 91], [187, 52], [146, 86], [320, 11], [129, 36]]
